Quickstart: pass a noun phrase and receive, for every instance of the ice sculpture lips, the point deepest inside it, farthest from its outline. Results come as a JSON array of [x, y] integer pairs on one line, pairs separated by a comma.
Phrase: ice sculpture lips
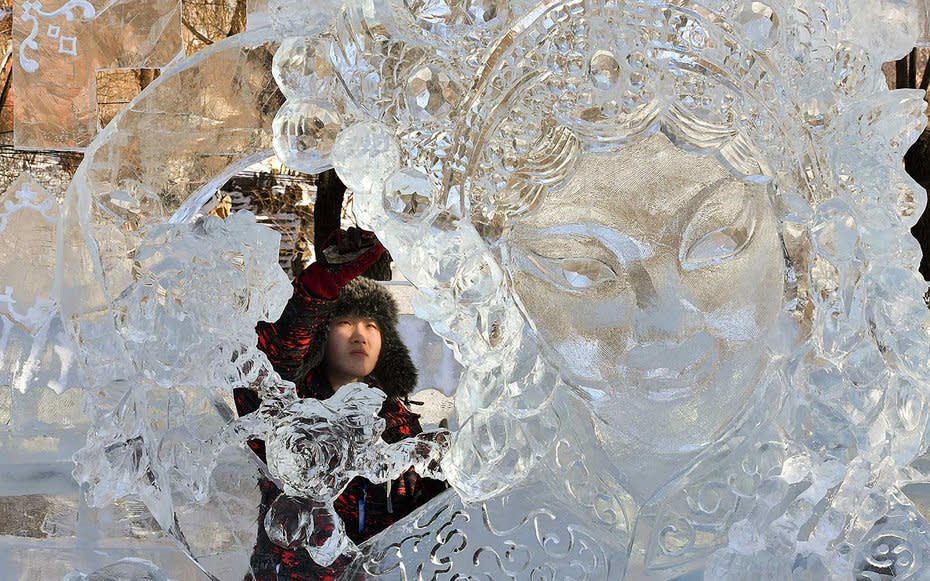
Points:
[[673, 369]]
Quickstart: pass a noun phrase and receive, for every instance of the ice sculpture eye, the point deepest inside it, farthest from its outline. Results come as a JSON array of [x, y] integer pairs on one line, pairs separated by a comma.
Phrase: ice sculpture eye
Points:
[[573, 273], [720, 229], [575, 257]]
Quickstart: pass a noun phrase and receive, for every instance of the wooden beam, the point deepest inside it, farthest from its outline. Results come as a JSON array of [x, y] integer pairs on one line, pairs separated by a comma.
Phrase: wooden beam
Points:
[[900, 73], [912, 69], [327, 208]]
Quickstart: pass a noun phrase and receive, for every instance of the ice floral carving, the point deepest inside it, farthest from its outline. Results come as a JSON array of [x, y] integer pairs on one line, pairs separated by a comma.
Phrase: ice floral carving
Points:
[[67, 45], [157, 432], [316, 447]]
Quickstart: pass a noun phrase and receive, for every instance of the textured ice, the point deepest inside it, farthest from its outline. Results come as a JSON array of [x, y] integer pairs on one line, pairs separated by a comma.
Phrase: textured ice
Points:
[[315, 448], [923, 8], [159, 432], [35, 351], [298, 18], [58, 50], [365, 155], [305, 131], [301, 68], [668, 244], [124, 570], [675, 230]]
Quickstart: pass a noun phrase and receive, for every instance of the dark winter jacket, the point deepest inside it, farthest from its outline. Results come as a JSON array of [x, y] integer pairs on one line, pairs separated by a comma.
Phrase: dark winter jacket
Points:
[[295, 345]]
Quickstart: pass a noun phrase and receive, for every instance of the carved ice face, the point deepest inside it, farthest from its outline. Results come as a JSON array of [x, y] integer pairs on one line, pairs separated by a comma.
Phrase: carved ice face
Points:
[[652, 278]]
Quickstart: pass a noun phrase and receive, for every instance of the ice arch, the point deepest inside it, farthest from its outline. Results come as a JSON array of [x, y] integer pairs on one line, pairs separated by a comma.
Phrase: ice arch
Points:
[[179, 139], [160, 418]]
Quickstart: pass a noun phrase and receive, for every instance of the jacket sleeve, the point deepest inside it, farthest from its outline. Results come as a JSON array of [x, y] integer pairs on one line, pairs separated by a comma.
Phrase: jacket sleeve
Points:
[[287, 340]]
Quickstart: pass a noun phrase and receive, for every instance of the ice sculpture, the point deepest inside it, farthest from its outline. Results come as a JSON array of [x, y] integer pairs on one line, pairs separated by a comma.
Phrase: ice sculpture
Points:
[[668, 242], [59, 49], [34, 348], [315, 448], [644, 216]]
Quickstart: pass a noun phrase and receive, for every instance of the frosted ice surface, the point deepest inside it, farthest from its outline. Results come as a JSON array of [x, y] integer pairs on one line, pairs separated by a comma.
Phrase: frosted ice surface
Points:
[[365, 155], [58, 50], [292, 18], [668, 245], [257, 14], [35, 350], [129, 569], [923, 8]]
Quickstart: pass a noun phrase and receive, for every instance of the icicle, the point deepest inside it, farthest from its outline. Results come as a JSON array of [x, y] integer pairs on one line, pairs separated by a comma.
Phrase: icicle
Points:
[[361, 509], [390, 505]]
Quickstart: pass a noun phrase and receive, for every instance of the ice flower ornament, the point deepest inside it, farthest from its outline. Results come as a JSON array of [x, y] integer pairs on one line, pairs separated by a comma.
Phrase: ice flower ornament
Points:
[[316, 447], [157, 432], [667, 241]]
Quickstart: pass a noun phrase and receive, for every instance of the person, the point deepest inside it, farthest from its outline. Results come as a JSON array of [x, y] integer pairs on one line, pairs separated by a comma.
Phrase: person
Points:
[[917, 165], [338, 328]]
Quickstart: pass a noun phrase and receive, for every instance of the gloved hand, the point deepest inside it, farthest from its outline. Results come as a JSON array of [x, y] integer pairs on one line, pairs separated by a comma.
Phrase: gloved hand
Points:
[[346, 255], [345, 246]]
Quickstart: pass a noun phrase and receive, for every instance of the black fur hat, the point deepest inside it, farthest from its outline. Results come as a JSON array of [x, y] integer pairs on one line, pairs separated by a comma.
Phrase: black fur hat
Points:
[[395, 372]]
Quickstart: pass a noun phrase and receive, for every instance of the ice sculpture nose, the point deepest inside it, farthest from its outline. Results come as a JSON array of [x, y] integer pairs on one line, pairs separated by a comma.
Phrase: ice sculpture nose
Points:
[[664, 311]]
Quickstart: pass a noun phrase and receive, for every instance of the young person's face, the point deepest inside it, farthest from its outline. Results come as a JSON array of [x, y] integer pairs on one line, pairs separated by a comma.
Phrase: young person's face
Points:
[[352, 348]]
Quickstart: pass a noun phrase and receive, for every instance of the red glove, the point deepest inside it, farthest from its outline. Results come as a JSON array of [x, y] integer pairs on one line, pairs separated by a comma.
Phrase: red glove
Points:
[[346, 255]]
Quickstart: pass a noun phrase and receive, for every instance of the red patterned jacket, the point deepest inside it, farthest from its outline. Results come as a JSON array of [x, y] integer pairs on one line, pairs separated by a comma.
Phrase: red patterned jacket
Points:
[[364, 507]]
